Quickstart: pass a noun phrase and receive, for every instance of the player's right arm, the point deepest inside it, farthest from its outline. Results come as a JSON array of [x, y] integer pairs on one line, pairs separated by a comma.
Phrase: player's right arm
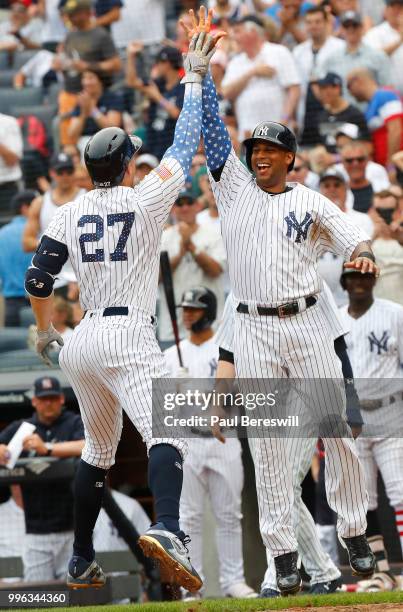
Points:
[[32, 226]]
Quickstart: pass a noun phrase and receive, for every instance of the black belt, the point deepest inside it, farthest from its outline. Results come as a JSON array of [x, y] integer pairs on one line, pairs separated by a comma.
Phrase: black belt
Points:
[[116, 311], [285, 310]]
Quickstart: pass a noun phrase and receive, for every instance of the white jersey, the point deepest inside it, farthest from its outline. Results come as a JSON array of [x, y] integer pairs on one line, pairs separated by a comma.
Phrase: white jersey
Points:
[[106, 535], [273, 242], [224, 337], [199, 359], [375, 348], [113, 239], [12, 533]]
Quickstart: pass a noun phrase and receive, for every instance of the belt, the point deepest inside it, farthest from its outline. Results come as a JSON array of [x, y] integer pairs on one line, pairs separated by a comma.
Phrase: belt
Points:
[[379, 403], [116, 311], [285, 310]]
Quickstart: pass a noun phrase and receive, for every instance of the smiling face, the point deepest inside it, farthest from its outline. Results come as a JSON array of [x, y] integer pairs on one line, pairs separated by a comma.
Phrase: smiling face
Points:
[[359, 286], [270, 164]]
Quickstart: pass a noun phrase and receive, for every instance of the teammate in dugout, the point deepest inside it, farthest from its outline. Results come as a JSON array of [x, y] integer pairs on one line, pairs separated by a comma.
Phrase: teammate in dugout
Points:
[[112, 237], [274, 233], [210, 468], [375, 347], [325, 576]]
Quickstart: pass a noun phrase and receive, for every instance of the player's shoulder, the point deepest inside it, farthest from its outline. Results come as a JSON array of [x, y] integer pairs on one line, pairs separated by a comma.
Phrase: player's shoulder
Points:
[[387, 306]]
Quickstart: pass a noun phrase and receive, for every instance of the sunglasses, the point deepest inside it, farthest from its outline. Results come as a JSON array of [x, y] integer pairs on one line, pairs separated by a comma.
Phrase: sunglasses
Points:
[[184, 203], [359, 159], [60, 171]]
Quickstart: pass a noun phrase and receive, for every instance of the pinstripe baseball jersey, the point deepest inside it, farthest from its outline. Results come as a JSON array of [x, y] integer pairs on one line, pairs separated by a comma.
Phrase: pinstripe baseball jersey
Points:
[[123, 225], [375, 348], [273, 242], [199, 359]]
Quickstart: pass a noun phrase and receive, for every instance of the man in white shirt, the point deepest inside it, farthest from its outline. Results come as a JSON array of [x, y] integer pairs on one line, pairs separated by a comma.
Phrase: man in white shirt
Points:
[[309, 57], [261, 76], [388, 36], [143, 21], [11, 147], [197, 257], [334, 186]]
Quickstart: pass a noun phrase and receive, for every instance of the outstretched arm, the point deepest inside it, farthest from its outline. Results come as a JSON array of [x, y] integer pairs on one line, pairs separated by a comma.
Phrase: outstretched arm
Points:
[[217, 142]]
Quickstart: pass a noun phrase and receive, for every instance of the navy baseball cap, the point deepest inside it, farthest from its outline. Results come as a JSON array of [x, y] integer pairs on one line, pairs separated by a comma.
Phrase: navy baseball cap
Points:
[[171, 55], [331, 78], [60, 161], [46, 386], [351, 17], [185, 195]]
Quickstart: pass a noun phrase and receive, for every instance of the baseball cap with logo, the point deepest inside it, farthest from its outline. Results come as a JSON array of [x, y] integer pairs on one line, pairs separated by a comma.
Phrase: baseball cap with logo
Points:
[[331, 78], [351, 17], [60, 161], [46, 386]]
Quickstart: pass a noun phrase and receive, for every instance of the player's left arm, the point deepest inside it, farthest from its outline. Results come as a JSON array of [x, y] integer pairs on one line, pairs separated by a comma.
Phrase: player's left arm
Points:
[[46, 264], [363, 259]]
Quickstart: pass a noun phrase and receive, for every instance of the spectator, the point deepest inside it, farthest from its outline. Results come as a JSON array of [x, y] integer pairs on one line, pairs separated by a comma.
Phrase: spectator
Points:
[[309, 57], [37, 71], [142, 20], [48, 507], [263, 75], [165, 95], [63, 190], [336, 111], [86, 46], [356, 54], [302, 174], [355, 161], [375, 173], [54, 29], [107, 12], [10, 156], [13, 261], [144, 164], [388, 246], [197, 257], [388, 36], [339, 7], [289, 15], [209, 214], [384, 114], [96, 109], [333, 186], [82, 178], [20, 31]]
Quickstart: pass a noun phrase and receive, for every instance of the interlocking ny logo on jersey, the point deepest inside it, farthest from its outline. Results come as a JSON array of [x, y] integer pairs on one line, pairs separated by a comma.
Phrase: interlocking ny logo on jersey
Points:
[[301, 229], [378, 345]]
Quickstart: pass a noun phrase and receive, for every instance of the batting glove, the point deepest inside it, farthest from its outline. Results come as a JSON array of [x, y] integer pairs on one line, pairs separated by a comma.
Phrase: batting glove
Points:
[[43, 341], [196, 60]]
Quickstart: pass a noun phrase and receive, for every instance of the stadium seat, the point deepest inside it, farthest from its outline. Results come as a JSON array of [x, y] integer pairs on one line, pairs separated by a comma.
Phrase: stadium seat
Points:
[[21, 360], [52, 94], [11, 98], [26, 317], [11, 339], [4, 60], [6, 77]]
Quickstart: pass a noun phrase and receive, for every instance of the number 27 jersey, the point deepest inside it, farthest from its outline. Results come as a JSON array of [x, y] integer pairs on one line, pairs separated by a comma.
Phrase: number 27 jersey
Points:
[[113, 239]]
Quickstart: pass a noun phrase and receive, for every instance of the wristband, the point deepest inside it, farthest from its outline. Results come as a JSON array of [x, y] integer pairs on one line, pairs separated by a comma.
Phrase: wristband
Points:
[[367, 254], [49, 447]]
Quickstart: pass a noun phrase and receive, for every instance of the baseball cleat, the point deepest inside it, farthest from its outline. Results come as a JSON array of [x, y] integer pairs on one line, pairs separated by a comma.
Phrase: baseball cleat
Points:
[[362, 559], [171, 552], [240, 590], [269, 593], [324, 588], [288, 578], [83, 574]]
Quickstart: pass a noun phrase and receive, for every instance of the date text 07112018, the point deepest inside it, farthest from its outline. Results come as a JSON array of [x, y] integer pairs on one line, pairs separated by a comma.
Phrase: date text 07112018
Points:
[[29, 599]]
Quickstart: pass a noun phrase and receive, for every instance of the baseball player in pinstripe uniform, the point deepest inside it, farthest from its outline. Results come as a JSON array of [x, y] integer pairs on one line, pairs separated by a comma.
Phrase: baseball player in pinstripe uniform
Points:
[[211, 469], [112, 237], [375, 346], [274, 234]]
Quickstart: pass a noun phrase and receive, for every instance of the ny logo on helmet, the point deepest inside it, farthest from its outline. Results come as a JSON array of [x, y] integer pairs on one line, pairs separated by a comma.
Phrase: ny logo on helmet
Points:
[[301, 228], [264, 130]]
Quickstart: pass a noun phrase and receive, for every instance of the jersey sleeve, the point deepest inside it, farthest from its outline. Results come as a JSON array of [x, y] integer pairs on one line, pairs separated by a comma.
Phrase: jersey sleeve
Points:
[[158, 190], [233, 176], [57, 227], [338, 233], [224, 336]]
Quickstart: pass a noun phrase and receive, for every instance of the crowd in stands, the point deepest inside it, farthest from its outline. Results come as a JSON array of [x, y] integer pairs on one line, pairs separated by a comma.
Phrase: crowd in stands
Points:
[[330, 70]]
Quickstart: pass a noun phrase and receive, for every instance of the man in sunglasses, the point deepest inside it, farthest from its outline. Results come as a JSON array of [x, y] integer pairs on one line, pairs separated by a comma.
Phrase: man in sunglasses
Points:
[[63, 189], [355, 159]]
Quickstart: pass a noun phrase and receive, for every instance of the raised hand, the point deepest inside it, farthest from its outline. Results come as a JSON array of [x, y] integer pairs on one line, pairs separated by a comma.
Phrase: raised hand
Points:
[[204, 25]]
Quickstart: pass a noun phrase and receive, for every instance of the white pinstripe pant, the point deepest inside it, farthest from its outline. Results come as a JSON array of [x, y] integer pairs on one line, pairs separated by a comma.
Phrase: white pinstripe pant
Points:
[[110, 363], [299, 347], [45, 556]]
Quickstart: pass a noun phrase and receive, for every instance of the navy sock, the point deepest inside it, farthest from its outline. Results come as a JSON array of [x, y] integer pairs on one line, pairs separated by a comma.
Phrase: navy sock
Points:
[[89, 485], [165, 477]]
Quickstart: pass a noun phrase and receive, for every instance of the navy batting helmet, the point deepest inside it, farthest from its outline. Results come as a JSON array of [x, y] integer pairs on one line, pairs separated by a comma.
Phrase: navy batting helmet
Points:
[[108, 154], [277, 133], [201, 297]]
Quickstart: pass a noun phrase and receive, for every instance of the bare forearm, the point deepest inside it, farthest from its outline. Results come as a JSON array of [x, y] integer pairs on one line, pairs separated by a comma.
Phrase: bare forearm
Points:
[[29, 243], [389, 49], [394, 140], [63, 450], [132, 79], [172, 110], [209, 265], [291, 101], [234, 89], [111, 65], [42, 309], [9, 157]]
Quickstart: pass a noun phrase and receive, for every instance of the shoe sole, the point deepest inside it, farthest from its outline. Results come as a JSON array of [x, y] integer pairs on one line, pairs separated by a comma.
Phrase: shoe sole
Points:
[[85, 585], [180, 575], [362, 574], [292, 591]]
